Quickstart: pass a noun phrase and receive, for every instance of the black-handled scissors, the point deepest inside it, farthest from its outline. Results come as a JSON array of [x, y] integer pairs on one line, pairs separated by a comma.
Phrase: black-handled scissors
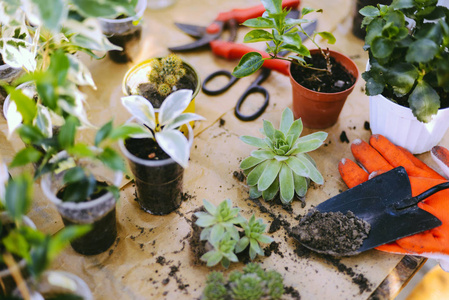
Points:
[[253, 88]]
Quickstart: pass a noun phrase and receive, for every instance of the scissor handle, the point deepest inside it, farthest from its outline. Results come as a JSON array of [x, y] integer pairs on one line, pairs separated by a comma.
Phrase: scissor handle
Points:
[[254, 88], [223, 89]]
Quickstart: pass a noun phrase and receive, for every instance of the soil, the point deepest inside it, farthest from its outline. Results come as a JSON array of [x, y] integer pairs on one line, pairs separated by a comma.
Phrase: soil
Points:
[[158, 188], [129, 42], [366, 126], [1, 60], [103, 232], [320, 81], [332, 233], [197, 246], [344, 137], [149, 92]]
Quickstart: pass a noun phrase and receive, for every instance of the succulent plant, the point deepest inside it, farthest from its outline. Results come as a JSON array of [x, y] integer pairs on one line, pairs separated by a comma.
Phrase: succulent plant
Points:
[[281, 163], [249, 284], [221, 225], [165, 73]]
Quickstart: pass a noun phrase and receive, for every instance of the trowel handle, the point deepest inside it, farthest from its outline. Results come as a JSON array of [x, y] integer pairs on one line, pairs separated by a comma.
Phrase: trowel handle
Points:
[[424, 195]]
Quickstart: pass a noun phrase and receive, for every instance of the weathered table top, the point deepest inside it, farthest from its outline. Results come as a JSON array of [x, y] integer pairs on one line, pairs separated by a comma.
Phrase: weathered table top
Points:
[[151, 259]]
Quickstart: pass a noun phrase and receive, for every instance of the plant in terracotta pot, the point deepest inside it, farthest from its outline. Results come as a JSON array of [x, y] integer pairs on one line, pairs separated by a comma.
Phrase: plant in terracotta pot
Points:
[[281, 164], [228, 233], [407, 78], [321, 78], [156, 78], [157, 156]]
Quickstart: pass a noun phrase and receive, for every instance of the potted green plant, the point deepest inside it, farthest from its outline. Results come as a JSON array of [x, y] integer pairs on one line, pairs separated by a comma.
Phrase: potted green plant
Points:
[[156, 78], [357, 29], [125, 31], [321, 79], [221, 226], [407, 75], [157, 156], [281, 164]]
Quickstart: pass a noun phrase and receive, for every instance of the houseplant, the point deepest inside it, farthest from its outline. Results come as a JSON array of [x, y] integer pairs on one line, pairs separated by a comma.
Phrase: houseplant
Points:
[[407, 76], [156, 78], [220, 230], [321, 78], [357, 28], [125, 31], [281, 164], [157, 157]]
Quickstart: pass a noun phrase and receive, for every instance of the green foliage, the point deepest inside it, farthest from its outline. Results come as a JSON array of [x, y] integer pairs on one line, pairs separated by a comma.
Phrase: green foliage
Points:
[[250, 284], [282, 34], [281, 163], [408, 59], [165, 73], [221, 226]]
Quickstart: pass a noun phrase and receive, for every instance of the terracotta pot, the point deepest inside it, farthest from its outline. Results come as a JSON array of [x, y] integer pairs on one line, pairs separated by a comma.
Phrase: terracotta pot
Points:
[[321, 110]]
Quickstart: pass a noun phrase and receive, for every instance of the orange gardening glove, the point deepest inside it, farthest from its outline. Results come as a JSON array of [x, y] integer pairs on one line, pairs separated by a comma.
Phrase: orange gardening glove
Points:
[[381, 156]]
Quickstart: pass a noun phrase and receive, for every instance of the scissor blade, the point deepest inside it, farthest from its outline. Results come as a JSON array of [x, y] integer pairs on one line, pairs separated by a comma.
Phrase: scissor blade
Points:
[[192, 30], [202, 42]]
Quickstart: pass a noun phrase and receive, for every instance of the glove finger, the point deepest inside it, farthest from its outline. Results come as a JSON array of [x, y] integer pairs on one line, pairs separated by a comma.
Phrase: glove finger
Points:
[[368, 157], [351, 173], [392, 247], [419, 164], [396, 157], [441, 156]]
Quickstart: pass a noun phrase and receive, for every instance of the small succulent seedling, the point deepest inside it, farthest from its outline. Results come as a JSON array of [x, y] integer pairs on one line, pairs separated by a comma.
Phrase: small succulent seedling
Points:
[[221, 229], [281, 163], [165, 73], [251, 283], [164, 127]]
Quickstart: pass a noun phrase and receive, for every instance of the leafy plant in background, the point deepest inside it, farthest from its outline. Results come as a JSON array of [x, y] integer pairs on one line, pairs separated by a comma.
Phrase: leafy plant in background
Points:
[[164, 127], [283, 35], [221, 229], [165, 73], [249, 284], [281, 164], [409, 60]]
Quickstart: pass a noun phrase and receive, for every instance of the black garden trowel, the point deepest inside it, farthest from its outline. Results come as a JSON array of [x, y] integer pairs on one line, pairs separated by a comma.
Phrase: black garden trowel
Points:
[[386, 203]]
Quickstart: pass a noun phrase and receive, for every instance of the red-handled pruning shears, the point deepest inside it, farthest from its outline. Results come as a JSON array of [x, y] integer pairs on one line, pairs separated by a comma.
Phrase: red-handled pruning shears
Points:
[[230, 20]]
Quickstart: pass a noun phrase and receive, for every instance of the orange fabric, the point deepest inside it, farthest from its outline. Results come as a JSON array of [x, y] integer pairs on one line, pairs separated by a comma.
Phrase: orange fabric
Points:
[[373, 157]]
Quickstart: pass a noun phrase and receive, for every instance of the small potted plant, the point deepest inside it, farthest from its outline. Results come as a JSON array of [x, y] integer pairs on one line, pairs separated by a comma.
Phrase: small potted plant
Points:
[[281, 164], [407, 77], [125, 32], [156, 78], [321, 79], [228, 233], [158, 155]]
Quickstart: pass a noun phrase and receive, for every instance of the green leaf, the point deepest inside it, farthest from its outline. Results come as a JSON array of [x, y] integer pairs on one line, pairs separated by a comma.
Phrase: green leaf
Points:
[[295, 130], [421, 51], [431, 31], [175, 144], [253, 141], [59, 67], [443, 73], [66, 136], [369, 11], [269, 175], [74, 174], [259, 22], [262, 154], [250, 162], [424, 101], [402, 77], [382, 47], [112, 159], [103, 133], [52, 15], [399, 4], [17, 244], [257, 35], [62, 239], [272, 191], [242, 244], [254, 193], [268, 129], [329, 37], [373, 30], [210, 207], [104, 8], [25, 106], [18, 195], [30, 134], [249, 64], [314, 174], [297, 166], [286, 184], [254, 175], [300, 185], [126, 130], [25, 156], [272, 6], [306, 10], [81, 150], [292, 40], [302, 50], [286, 120]]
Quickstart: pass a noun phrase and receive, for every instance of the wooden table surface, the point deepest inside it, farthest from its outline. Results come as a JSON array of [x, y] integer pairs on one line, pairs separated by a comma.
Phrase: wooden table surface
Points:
[[151, 259]]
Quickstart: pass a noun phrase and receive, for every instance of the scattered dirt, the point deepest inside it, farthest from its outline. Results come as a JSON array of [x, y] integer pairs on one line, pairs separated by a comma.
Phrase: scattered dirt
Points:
[[239, 175], [366, 126], [186, 196], [321, 81], [197, 246], [275, 225], [289, 290], [273, 248], [222, 122], [332, 233], [344, 137]]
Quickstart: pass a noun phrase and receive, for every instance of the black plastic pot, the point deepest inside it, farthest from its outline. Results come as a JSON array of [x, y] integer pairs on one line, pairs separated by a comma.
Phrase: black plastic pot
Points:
[[358, 18]]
